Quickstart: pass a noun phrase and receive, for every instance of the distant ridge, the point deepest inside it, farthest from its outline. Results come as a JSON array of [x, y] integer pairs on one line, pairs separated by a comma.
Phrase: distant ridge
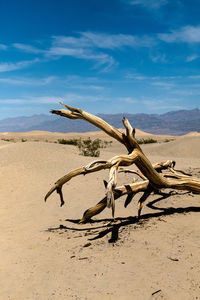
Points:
[[172, 123]]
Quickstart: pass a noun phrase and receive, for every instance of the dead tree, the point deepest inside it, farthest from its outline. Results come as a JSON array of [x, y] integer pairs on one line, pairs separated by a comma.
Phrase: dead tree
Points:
[[154, 177]]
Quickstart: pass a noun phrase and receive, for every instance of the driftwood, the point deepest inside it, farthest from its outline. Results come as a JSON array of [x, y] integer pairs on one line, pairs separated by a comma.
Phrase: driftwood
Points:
[[154, 177]]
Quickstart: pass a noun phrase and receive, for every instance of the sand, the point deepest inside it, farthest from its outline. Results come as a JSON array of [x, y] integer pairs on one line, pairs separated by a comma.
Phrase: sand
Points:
[[45, 254]]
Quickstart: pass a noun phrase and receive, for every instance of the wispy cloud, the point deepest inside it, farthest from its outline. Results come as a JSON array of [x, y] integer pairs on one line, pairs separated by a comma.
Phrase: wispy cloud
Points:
[[31, 100], [170, 78], [75, 98], [80, 47], [89, 46], [127, 99], [3, 47], [92, 46], [158, 57], [44, 99], [28, 48], [135, 76], [151, 4], [85, 83], [27, 81], [93, 40], [81, 53], [11, 101], [163, 84], [67, 98], [159, 79], [6, 67], [194, 76], [192, 57], [190, 90], [87, 87], [186, 34], [180, 85], [116, 41], [163, 103]]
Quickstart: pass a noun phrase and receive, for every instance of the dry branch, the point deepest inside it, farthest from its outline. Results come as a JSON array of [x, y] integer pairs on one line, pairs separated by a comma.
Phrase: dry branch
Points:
[[153, 177]]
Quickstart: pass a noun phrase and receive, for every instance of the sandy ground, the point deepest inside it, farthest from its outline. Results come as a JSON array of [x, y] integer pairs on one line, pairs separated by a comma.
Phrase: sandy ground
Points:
[[45, 254]]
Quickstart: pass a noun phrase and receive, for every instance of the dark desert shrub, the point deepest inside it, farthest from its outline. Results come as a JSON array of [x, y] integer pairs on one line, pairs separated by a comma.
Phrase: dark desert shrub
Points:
[[147, 141]]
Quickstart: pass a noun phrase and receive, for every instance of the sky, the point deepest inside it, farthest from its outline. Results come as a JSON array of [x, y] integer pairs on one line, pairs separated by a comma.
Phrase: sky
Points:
[[103, 56]]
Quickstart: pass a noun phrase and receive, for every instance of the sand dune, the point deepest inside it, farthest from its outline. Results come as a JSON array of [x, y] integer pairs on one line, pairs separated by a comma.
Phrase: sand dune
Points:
[[187, 146], [46, 255], [193, 133], [41, 135]]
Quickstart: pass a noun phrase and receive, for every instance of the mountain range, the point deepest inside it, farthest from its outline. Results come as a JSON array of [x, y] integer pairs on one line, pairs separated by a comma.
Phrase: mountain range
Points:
[[173, 123]]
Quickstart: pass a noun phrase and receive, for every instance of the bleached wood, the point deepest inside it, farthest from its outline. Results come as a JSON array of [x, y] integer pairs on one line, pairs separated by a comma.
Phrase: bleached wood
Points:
[[153, 177]]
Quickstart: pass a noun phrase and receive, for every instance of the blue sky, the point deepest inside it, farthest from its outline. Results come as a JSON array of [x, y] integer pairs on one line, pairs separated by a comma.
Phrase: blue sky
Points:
[[102, 56]]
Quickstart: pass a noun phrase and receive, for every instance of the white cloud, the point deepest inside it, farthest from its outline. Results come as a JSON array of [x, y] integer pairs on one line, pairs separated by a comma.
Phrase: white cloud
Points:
[[89, 46], [136, 76], [69, 45], [166, 85], [44, 99], [62, 51], [6, 67], [28, 48], [190, 91], [158, 58], [194, 76], [151, 4], [99, 58], [91, 40], [82, 49], [115, 41], [3, 47], [32, 100], [128, 99], [12, 101], [73, 98], [92, 46], [27, 81], [81, 53], [192, 57], [87, 87], [72, 42], [186, 34], [68, 98], [163, 104], [108, 41], [85, 83]]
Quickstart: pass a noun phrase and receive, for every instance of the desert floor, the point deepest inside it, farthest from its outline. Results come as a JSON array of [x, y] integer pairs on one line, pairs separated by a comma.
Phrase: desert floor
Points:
[[45, 254]]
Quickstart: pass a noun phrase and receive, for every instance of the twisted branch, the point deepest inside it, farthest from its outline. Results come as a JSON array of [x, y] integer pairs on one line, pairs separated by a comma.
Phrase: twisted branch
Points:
[[153, 178]]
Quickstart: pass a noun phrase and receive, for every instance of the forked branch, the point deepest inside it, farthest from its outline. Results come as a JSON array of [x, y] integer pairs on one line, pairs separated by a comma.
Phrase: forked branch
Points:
[[153, 178]]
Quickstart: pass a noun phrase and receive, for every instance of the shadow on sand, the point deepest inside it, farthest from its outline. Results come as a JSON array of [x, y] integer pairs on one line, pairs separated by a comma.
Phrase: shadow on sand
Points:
[[113, 226]]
